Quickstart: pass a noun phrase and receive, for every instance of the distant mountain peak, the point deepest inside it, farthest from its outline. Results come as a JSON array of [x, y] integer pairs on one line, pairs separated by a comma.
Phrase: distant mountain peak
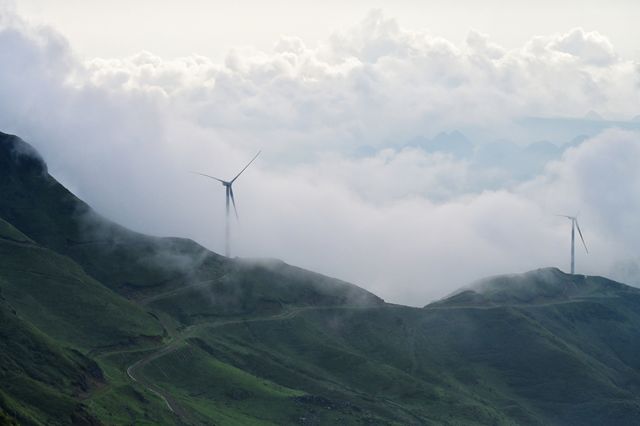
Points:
[[594, 116], [454, 135], [454, 142]]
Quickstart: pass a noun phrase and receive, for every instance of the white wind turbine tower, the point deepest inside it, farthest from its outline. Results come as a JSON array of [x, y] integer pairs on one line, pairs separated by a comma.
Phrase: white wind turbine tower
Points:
[[574, 225], [229, 195]]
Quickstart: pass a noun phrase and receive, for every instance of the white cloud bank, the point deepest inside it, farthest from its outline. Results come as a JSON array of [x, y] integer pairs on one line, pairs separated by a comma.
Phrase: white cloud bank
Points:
[[408, 225]]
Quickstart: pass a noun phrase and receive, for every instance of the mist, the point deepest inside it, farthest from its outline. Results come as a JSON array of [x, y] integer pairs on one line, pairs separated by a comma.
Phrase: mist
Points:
[[342, 186]]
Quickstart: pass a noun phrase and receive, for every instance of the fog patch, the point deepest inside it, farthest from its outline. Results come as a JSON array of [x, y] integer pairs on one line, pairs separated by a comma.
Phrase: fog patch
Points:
[[626, 271]]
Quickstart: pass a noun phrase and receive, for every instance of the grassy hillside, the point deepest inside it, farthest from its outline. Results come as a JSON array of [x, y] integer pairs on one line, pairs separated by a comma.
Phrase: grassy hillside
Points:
[[53, 317], [544, 364], [40, 381], [566, 361], [102, 325], [256, 288], [53, 293], [9, 233]]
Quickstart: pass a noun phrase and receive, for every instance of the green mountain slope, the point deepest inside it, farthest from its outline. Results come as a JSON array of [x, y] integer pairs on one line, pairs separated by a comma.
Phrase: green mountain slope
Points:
[[123, 260], [41, 382], [102, 325], [53, 293], [563, 363], [52, 316]]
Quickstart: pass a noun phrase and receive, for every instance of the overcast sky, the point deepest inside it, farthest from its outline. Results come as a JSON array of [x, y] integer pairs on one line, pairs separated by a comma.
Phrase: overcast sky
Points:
[[210, 27], [407, 148]]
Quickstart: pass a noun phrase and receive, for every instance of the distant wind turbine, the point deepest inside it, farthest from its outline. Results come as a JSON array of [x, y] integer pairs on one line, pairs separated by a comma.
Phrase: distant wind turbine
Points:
[[229, 195], [574, 225]]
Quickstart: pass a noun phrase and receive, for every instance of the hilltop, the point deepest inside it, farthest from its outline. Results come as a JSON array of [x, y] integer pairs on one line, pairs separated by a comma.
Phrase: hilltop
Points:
[[103, 325], [542, 286]]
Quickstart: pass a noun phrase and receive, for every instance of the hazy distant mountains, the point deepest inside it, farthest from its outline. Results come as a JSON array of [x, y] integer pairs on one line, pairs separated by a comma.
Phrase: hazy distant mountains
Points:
[[102, 325], [515, 160], [519, 161], [565, 129]]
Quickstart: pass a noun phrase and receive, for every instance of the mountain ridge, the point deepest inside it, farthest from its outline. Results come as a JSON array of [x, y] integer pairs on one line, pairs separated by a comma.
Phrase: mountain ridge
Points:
[[43, 209], [543, 285]]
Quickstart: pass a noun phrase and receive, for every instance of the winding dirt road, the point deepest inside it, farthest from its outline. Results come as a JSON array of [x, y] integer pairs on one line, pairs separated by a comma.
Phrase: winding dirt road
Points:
[[134, 371]]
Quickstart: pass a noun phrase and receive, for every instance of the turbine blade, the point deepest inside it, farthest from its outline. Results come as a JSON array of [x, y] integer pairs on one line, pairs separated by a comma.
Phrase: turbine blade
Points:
[[202, 174], [564, 215], [581, 237], [233, 201], [245, 167]]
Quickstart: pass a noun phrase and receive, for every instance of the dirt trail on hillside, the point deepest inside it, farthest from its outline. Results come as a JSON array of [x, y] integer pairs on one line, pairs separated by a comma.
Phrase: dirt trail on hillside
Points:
[[134, 370]]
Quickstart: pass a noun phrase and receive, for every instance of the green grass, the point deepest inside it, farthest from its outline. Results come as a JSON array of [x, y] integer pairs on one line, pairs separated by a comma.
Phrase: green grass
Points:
[[9, 232], [497, 366], [357, 370], [53, 293], [40, 381], [221, 393]]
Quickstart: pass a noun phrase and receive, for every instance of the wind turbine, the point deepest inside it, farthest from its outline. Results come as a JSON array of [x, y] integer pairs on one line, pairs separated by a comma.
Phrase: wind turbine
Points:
[[229, 196], [574, 225]]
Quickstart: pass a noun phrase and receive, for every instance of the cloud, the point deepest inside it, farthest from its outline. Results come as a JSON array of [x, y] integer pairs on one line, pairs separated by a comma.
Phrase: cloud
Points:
[[481, 46], [407, 224], [380, 83], [593, 48]]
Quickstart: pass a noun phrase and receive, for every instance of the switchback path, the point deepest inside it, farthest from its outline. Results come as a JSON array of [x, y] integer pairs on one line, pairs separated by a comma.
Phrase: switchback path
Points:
[[134, 371], [199, 284]]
